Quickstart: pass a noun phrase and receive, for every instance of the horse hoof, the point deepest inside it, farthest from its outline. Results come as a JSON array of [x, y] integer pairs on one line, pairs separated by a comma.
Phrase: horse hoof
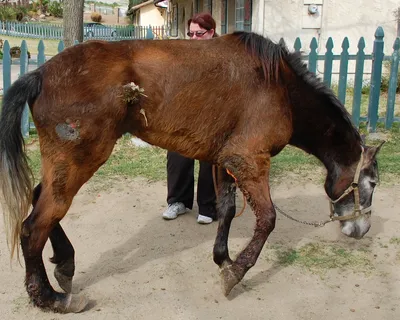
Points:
[[64, 281], [228, 279], [71, 304]]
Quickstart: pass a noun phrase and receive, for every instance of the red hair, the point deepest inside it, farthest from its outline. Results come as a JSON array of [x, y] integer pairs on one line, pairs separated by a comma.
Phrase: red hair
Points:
[[204, 20]]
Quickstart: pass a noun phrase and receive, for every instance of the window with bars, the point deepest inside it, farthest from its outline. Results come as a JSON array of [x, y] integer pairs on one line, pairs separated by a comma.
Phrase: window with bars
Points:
[[174, 27], [207, 7], [243, 13], [224, 16]]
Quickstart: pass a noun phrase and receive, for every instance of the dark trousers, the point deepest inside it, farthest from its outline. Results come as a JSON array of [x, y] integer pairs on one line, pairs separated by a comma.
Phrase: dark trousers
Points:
[[180, 181]]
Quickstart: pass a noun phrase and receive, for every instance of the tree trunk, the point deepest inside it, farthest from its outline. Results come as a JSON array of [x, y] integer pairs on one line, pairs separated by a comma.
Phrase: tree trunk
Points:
[[73, 21]]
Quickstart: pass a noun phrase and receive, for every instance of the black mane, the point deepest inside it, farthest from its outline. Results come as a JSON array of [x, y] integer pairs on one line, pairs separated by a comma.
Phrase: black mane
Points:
[[273, 56]]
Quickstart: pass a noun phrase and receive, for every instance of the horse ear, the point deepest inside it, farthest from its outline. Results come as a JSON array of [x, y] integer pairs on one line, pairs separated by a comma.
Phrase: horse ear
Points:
[[378, 148], [373, 151]]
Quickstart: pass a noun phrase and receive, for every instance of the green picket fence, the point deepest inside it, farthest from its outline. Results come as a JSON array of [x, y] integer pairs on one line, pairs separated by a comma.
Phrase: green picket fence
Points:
[[36, 30], [376, 58]]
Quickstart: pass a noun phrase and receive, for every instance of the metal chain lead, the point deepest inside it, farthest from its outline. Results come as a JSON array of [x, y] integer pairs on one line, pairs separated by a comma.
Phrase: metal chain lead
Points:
[[315, 224]]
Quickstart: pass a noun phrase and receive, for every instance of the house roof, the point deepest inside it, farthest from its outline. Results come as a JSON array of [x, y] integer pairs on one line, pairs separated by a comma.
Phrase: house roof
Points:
[[138, 6], [161, 3]]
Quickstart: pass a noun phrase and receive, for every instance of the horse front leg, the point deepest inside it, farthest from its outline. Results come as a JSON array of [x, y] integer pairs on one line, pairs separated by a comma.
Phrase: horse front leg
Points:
[[256, 189]]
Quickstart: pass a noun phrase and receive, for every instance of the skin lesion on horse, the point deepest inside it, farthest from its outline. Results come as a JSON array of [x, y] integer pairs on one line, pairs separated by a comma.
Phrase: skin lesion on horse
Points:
[[68, 130], [132, 92]]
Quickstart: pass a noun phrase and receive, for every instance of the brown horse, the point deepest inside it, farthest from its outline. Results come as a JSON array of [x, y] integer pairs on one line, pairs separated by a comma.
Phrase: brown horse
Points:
[[235, 101]]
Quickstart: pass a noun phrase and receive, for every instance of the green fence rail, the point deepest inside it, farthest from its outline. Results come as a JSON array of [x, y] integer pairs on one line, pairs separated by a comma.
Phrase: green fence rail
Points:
[[362, 79], [36, 30]]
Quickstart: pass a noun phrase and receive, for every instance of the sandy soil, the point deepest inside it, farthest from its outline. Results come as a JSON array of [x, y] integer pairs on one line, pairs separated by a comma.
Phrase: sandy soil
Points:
[[134, 265]]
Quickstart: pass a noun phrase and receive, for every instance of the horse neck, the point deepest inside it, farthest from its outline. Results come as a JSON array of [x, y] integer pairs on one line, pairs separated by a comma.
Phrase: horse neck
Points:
[[321, 128]]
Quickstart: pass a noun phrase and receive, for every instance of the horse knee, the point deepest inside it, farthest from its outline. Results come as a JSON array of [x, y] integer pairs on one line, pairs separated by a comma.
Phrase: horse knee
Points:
[[266, 222]]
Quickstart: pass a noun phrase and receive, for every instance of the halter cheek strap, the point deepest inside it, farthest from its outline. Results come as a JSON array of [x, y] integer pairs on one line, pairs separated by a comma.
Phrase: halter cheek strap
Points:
[[357, 212]]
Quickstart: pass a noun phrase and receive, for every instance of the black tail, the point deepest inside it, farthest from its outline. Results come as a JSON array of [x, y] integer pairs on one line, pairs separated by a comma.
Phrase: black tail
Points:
[[16, 182]]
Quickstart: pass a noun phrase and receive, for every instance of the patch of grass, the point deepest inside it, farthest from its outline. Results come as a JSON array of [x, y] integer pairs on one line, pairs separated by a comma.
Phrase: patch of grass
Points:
[[389, 157], [295, 161], [130, 161], [318, 258], [51, 46], [287, 257], [395, 240]]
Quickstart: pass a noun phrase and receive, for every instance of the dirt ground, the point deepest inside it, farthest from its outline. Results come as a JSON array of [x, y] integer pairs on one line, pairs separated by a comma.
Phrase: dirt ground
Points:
[[134, 265]]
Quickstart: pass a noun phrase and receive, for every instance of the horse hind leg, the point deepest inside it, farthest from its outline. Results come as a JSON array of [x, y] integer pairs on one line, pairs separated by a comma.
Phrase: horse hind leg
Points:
[[63, 258], [255, 187], [64, 253], [62, 179]]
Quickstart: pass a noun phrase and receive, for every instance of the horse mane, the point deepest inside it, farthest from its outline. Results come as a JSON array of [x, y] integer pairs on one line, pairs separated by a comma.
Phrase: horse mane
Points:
[[272, 57]]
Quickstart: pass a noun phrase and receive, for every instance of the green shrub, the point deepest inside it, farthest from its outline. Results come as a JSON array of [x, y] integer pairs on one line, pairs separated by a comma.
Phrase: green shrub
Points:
[[7, 13], [386, 77], [56, 9], [15, 52]]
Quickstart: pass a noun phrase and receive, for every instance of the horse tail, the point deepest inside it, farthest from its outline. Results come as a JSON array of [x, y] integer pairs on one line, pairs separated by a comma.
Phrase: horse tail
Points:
[[16, 178]]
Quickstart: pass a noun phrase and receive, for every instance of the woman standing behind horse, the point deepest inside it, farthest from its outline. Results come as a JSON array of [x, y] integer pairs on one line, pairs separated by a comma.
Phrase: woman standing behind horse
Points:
[[180, 170]]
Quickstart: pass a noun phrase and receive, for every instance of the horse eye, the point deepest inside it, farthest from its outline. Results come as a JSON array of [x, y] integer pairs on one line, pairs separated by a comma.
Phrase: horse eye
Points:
[[373, 184]]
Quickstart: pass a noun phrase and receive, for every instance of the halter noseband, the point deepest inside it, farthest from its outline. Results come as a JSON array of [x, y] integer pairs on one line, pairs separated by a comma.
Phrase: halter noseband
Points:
[[357, 212]]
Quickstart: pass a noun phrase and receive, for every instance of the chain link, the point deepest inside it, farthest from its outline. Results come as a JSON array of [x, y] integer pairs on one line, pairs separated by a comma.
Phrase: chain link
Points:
[[315, 224]]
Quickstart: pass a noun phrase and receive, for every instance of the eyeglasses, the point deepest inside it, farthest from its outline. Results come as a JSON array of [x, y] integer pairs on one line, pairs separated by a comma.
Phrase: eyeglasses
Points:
[[198, 34]]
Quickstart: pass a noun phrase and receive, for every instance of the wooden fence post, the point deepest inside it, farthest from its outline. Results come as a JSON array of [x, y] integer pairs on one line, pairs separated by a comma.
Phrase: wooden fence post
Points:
[[358, 82], [6, 67], [328, 62], [23, 70], [312, 57], [297, 45], [394, 69], [149, 33], [376, 77], [343, 70]]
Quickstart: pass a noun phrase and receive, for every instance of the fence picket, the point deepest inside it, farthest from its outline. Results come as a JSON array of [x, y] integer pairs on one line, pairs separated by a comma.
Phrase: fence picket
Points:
[[313, 55], [358, 82], [23, 70], [376, 77], [394, 71], [344, 62]]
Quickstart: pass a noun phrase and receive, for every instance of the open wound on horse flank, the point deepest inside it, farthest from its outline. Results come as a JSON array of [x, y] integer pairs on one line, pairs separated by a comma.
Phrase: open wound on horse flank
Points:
[[132, 92], [68, 130]]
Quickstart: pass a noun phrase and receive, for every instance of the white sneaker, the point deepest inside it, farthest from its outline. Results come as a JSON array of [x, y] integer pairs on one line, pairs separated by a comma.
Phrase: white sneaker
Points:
[[174, 210], [204, 219]]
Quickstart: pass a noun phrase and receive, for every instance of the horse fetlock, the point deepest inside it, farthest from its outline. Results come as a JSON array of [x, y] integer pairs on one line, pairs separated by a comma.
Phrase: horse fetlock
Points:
[[64, 272], [65, 282], [221, 256]]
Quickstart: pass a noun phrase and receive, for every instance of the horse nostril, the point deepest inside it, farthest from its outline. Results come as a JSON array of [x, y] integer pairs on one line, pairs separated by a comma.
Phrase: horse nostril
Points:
[[349, 229]]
